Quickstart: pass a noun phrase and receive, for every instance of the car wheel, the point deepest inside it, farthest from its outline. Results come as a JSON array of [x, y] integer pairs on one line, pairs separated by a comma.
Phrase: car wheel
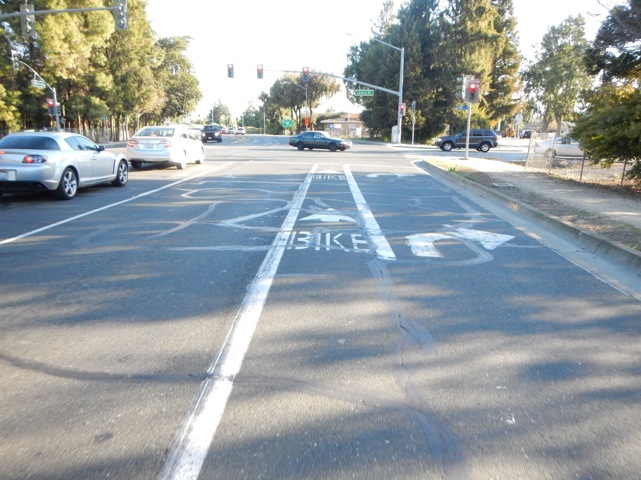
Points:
[[183, 162], [68, 185], [484, 147], [122, 174], [220, 140], [447, 146], [300, 146], [332, 147], [136, 164]]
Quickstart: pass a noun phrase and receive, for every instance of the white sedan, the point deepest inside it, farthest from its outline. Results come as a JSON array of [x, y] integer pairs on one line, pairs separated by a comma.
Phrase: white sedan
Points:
[[170, 144], [558, 147]]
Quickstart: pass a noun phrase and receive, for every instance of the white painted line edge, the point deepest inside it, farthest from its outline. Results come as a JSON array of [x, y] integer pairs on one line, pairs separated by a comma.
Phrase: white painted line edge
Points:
[[189, 450], [111, 205], [381, 245]]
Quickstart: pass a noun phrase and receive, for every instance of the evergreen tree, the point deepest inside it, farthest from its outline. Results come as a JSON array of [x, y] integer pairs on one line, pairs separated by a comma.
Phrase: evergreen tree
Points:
[[442, 41]]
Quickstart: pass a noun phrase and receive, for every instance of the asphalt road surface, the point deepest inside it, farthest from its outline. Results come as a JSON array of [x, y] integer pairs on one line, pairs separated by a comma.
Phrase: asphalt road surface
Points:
[[279, 314]]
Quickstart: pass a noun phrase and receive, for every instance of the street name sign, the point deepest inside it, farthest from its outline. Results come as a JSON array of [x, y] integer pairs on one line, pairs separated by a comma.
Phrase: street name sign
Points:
[[364, 93]]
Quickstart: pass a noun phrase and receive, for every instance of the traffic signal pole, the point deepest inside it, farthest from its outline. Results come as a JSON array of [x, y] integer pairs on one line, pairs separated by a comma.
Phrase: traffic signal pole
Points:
[[51, 89], [467, 135]]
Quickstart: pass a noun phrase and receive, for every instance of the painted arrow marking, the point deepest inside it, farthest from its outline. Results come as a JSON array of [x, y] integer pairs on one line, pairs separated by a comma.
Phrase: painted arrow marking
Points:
[[330, 216], [489, 240], [422, 244]]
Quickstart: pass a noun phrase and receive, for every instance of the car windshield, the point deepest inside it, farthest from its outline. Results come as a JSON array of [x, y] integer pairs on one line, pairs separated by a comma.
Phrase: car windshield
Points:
[[156, 132], [35, 142], [212, 128]]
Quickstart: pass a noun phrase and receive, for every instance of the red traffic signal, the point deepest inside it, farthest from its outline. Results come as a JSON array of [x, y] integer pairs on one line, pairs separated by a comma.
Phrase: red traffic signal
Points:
[[402, 108], [230, 70], [472, 90], [305, 74], [259, 71], [50, 103]]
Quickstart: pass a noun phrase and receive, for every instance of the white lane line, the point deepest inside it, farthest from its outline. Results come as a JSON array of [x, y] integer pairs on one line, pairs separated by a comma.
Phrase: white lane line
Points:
[[190, 447], [381, 245], [91, 212]]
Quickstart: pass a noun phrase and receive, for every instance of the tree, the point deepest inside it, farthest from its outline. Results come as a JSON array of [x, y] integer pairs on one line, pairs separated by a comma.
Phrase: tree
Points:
[[558, 75], [290, 94], [180, 86], [443, 40], [219, 114], [95, 70], [616, 51], [504, 77], [610, 129]]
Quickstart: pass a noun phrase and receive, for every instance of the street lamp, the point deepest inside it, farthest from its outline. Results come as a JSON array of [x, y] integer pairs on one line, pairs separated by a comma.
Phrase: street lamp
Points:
[[304, 88], [399, 118]]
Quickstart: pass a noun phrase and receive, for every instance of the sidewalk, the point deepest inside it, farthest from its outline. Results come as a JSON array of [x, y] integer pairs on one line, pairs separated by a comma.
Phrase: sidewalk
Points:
[[600, 219]]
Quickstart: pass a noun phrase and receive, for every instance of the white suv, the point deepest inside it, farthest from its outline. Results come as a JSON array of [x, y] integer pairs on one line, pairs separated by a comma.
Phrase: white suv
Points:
[[240, 131]]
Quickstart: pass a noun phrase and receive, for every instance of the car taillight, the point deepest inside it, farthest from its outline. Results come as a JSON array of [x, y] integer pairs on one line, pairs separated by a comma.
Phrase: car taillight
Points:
[[132, 142], [166, 143], [34, 159]]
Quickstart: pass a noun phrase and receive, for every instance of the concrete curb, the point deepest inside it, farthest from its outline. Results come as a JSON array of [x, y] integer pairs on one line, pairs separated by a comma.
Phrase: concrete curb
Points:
[[592, 242]]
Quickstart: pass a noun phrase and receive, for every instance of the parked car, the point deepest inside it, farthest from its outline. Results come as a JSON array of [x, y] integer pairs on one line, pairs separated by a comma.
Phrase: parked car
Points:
[[60, 162], [231, 130], [480, 139], [314, 140], [240, 131], [526, 134], [212, 133], [169, 144], [558, 147]]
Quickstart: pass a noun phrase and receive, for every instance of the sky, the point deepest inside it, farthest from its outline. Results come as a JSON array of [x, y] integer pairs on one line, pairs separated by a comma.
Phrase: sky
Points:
[[292, 34]]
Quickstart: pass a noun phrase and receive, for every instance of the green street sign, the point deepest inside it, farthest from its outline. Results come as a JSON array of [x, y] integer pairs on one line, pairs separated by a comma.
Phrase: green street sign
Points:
[[364, 93], [287, 123], [38, 83]]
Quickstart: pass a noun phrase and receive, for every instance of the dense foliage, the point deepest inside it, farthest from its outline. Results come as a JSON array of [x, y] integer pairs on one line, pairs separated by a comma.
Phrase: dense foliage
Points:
[[610, 129], [125, 76], [441, 41]]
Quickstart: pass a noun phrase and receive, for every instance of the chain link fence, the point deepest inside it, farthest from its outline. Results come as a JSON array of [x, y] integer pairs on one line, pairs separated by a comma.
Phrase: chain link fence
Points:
[[576, 168]]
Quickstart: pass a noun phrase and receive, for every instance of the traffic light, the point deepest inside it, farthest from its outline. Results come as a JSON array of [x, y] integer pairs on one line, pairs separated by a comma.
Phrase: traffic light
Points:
[[230, 70], [58, 109], [27, 21], [51, 107], [472, 90], [259, 72], [120, 14], [14, 61], [305, 74], [402, 108], [460, 88]]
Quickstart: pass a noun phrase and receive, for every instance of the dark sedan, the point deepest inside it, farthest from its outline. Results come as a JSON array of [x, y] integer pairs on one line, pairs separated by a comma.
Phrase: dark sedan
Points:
[[314, 140], [212, 133]]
